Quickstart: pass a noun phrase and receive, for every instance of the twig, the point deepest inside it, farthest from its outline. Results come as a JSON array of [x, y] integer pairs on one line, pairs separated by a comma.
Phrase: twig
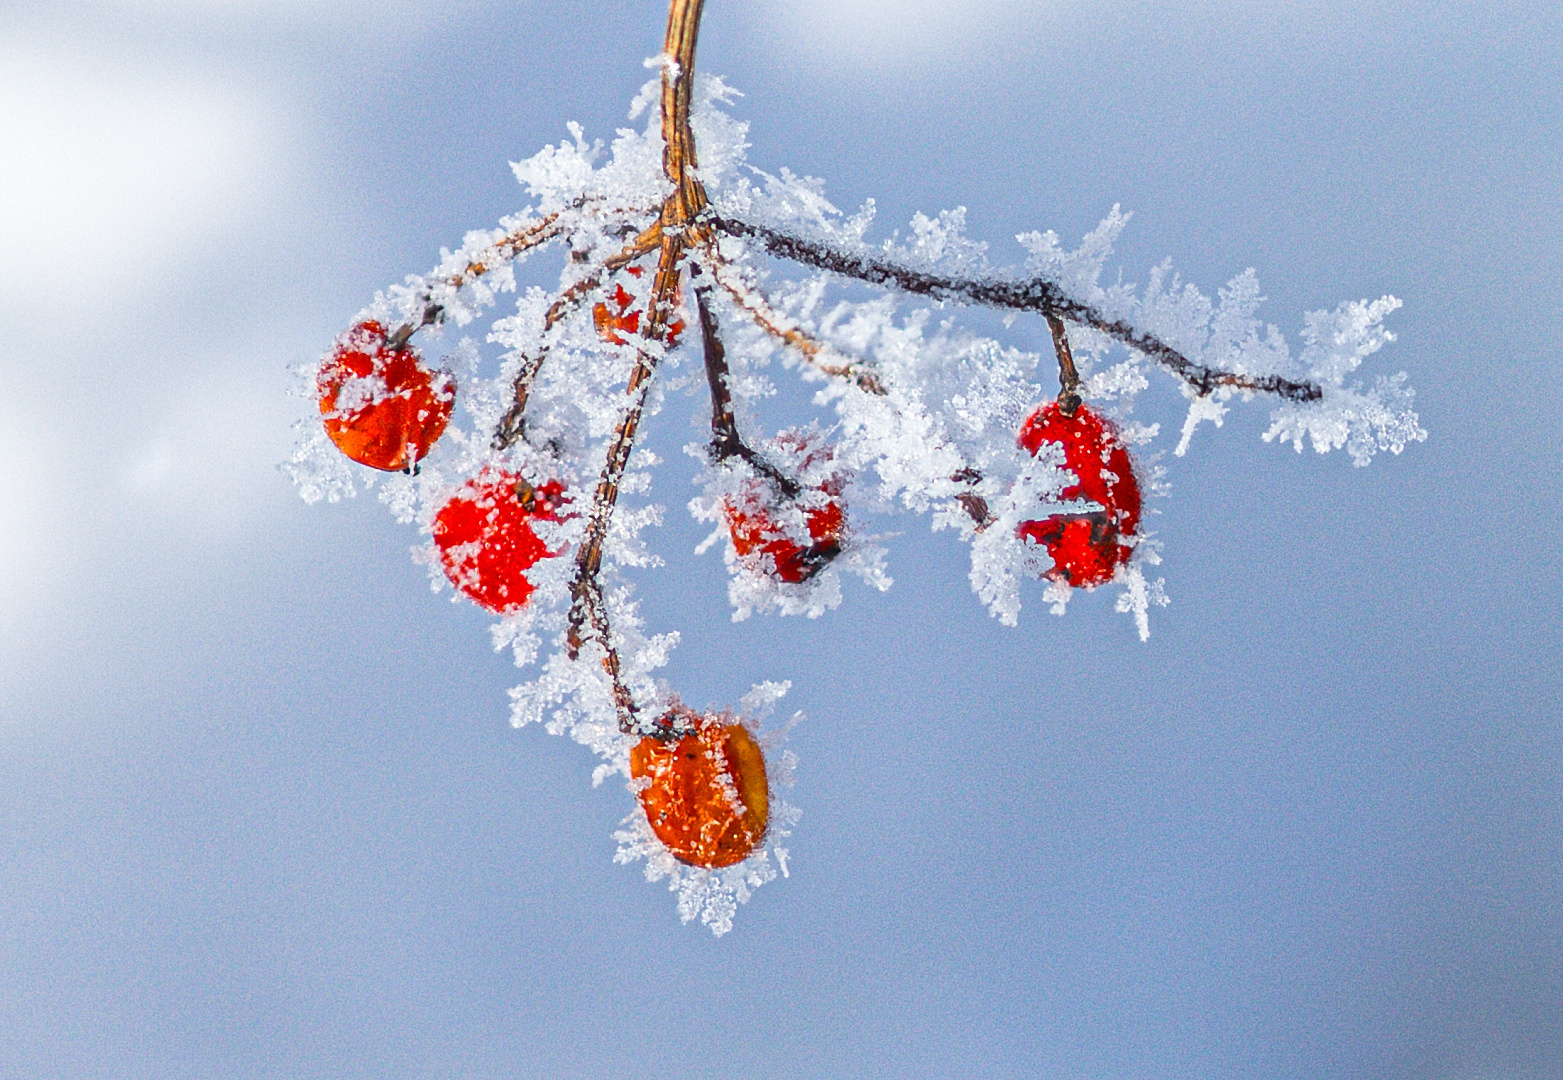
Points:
[[753, 304], [1035, 294], [587, 601], [726, 443], [975, 505], [1068, 374], [497, 254], [587, 604], [672, 234], [513, 424]]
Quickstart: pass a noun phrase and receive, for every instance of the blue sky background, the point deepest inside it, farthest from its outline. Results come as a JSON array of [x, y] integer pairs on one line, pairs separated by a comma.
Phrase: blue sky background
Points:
[[261, 814]]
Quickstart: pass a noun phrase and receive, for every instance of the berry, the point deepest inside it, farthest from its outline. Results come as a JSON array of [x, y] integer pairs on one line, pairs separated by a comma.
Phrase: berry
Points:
[[760, 529], [1086, 548], [754, 529], [707, 797], [381, 406], [485, 538], [612, 325]]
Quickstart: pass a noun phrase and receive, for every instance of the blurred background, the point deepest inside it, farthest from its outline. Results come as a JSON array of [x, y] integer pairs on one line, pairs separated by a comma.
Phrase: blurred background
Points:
[[261, 810]]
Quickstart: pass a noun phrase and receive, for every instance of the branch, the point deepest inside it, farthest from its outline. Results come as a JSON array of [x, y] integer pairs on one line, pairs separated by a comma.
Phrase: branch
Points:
[[587, 605], [725, 440], [1035, 294], [754, 304], [726, 443], [497, 254], [1068, 374], [679, 162], [513, 424]]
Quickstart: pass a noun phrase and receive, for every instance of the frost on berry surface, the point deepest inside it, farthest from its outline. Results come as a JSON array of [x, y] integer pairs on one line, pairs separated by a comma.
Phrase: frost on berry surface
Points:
[[917, 409], [713, 895]]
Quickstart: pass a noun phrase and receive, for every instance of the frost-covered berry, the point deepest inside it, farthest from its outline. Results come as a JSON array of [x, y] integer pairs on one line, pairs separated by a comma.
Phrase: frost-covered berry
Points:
[[752, 523], [485, 538], [381, 406], [613, 324], [705, 794], [1087, 548], [790, 534]]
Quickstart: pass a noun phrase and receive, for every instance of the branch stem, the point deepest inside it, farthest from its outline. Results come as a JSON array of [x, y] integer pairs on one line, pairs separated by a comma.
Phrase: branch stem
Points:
[[497, 254], [1068, 374], [1037, 295], [671, 235], [513, 424], [816, 353], [726, 442]]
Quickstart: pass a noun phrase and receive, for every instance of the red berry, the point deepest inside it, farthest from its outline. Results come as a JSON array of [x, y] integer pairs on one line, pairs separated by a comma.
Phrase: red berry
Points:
[[707, 798], [1086, 548], [610, 325], [759, 528], [754, 528], [484, 534], [381, 406]]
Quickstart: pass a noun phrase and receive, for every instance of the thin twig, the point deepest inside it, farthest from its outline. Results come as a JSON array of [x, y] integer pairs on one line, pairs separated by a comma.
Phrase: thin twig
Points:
[[497, 254], [587, 605], [1068, 374], [678, 228], [513, 424], [1035, 294], [726, 443], [753, 304]]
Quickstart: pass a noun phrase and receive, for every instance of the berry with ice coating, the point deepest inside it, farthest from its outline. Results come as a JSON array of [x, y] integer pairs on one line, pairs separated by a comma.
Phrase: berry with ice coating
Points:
[[752, 523], [618, 317], [763, 515], [705, 792], [485, 538], [1087, 547], [380, 405]]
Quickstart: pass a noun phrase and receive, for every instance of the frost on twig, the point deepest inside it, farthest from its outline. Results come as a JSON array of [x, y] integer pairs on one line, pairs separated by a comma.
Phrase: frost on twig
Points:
[[1362, 419]]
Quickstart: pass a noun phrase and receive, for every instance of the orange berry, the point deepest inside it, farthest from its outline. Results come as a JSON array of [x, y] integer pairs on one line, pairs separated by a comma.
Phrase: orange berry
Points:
[[485, 538], [707, 798], [1086, 548], [609, 324], [381, 406]]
